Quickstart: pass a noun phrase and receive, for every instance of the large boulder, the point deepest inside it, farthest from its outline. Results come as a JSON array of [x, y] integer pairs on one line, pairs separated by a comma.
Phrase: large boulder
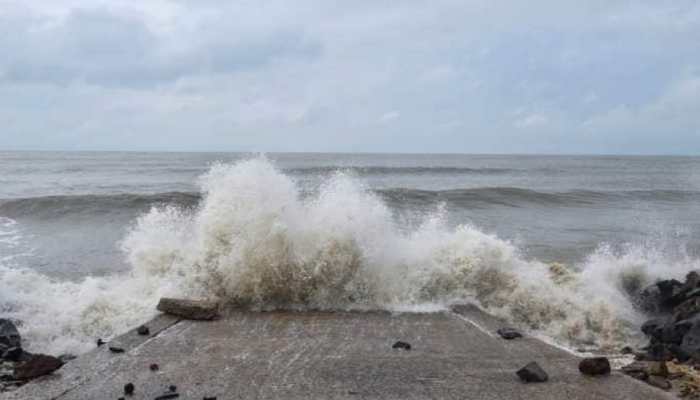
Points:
[[9, 335], [38, 365], [189, 309]]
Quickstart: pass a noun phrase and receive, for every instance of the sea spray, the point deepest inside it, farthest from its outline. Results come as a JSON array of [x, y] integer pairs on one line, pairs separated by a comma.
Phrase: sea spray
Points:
[[255, 241]]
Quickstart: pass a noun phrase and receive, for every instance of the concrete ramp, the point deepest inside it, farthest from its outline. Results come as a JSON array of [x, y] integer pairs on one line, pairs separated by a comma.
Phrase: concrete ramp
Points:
[[313, 355]]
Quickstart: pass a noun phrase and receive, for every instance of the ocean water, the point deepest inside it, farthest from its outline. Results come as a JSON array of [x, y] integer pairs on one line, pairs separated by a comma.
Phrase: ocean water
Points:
[[555, 244]]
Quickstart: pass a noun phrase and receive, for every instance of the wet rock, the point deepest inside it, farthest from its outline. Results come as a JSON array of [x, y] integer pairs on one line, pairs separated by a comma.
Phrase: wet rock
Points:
[[143, 330], [13, 354], [9, 335], [38, 365], [531, 373], [687, 309], [401, 345], [509, 333], [129, 389], [189, 309], [659, 382], [594, 366]]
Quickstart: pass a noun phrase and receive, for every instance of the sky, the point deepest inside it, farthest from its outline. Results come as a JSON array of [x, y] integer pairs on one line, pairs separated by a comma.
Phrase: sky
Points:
[[470, 76]]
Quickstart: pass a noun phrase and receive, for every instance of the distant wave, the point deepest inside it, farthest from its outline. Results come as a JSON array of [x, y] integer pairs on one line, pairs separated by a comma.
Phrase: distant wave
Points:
[[383, 170], [56, 206], [482, 197], [517, 197]]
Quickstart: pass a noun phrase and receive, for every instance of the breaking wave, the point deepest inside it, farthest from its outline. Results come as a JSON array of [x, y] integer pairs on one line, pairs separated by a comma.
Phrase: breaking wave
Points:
[[254, 241]]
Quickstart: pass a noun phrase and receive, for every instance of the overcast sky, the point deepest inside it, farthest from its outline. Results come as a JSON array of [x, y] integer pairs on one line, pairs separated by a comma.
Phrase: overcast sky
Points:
[[469, 76]]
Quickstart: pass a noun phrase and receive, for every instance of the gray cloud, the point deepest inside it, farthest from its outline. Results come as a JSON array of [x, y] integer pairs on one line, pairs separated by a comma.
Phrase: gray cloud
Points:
[[550, 76]]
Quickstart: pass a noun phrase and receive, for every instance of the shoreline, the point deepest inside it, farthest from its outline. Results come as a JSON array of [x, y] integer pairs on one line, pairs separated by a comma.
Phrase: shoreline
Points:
[[455, 354]]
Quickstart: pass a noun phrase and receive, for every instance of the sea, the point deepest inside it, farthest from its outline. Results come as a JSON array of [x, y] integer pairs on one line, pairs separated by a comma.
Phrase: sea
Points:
[[556, 245]]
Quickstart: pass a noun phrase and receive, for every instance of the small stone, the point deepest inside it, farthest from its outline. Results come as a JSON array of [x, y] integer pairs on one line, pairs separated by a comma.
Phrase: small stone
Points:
[[509, 333], [129, 389], [594, 366], [532, 372], [143, 330], [659, 382], [172, 388], [214, 397], [115, 349], [36, 366], [153, 367], [100, 342], [401, 345], [627, 350]]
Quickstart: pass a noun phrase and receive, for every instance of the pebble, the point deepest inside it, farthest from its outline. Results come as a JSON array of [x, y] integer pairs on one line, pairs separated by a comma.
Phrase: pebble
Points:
[[401, 345], [143, 330], [129, 389]]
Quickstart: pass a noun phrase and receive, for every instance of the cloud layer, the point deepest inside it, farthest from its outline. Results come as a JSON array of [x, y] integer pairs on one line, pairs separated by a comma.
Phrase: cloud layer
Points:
[[439, 76]]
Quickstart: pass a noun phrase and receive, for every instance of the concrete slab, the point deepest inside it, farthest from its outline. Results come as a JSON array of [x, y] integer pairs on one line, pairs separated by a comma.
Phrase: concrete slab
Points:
[[341, 355]]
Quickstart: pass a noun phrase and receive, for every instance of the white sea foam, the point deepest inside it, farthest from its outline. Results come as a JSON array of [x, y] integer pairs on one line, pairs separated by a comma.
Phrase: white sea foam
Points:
[[253, 241]]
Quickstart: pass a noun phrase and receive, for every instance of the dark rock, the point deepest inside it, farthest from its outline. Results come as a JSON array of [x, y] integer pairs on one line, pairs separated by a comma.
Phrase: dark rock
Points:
[[167, 396], [401, 345], [153, 367], [189, 309], [594, 366], [687, 309], [143, 330], [214, 397], [13, 354], [654, 326], [172, 388], [627, 350], [639, 375], [659, 382], [38, 365], [663, 352], [129, 389], [509, 333], [532, 372], [100, 342], [668, 292], [115, 349], [9, 335]]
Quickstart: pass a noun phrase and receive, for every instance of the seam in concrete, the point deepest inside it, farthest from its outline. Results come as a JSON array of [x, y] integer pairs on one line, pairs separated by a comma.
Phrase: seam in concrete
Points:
[[474, 323]]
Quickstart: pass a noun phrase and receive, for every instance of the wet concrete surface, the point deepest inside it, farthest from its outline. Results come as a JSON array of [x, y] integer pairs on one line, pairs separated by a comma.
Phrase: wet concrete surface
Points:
[[329, 355]]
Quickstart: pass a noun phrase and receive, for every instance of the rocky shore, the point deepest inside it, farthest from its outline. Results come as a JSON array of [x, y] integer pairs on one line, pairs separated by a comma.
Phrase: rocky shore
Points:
[[672, 357]]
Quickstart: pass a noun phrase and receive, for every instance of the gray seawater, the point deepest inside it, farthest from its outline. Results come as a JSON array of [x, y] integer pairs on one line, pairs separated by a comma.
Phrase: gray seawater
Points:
[[90, 241], [64, 214]]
